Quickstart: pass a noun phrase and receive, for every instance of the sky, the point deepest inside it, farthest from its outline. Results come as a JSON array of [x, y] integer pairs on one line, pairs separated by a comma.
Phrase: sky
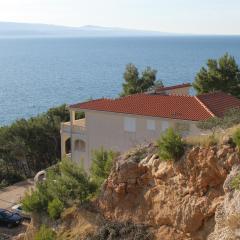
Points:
[[176, 16]]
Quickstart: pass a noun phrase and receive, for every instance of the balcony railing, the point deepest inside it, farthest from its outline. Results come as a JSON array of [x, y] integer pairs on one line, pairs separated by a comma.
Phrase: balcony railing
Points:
[[77, 127]]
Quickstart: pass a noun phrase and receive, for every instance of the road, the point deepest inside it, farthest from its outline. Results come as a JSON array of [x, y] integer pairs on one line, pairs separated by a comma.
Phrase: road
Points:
[[11, 195]]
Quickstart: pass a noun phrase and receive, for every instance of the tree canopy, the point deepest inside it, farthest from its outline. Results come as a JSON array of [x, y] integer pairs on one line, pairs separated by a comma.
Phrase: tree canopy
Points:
[[222, 74], [135, 83], [28, 146]]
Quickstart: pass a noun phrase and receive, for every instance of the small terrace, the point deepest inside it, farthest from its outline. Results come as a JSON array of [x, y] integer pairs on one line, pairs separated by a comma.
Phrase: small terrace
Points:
[[78, 126]]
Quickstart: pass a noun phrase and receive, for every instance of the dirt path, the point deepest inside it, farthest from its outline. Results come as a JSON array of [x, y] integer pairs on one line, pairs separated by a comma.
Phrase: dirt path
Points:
[[13, 194]]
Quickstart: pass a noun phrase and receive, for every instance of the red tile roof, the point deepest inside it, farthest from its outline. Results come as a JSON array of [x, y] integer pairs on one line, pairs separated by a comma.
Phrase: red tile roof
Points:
[[194, 108], [174, 87], [218, 103]]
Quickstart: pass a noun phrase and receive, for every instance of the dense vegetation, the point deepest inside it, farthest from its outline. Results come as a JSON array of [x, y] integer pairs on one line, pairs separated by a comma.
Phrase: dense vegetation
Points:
[[64, 186], [171, 146], [230, 118], [137, 84], [222, 74], [68, 184], [28, 146], [55, 208]]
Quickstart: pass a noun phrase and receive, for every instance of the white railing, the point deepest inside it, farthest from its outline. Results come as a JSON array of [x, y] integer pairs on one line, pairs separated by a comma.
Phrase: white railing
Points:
[[77, 127]]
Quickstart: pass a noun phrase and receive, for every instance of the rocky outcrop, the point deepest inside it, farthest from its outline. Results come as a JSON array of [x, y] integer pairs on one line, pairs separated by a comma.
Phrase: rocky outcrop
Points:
[[180, 200], [227, 215]]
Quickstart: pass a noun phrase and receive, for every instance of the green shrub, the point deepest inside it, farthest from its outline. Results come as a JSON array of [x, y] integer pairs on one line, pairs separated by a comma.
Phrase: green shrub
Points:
[[236, 137], [55, 208], [45, 233], [72, 185], [69, 184], [235, 183], [171, 146], [37, 200], [102, 161]]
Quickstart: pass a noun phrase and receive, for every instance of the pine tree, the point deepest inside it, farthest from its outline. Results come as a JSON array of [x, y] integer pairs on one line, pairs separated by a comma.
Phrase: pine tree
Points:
[[220, 75]]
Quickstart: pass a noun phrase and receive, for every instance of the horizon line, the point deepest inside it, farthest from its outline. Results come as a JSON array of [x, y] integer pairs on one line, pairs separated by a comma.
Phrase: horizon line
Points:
[[122, 28]]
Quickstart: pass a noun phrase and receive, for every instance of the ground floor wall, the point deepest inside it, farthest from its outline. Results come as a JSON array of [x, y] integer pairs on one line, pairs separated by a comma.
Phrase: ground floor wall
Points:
[[79, 148], [108, 130]]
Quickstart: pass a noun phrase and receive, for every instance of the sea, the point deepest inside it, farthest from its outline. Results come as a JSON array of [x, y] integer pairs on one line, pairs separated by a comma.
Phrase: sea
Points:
[[39, 73]]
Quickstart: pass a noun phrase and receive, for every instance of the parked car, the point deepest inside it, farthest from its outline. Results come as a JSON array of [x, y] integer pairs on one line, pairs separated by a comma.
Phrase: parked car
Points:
[[10, 219], [18, 209]]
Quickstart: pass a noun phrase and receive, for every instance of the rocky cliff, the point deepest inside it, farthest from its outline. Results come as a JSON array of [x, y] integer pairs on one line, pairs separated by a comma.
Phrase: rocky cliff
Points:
[[189, 199]]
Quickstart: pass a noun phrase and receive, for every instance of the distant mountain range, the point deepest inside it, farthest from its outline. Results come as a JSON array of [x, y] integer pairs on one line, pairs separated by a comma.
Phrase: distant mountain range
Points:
[[10, 29]]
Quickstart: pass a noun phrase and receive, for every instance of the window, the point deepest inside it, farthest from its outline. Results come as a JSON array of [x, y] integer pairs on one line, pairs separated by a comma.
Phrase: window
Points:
[[129, 124], [68, 146], [165, 125], [151, 125], [80, 146]]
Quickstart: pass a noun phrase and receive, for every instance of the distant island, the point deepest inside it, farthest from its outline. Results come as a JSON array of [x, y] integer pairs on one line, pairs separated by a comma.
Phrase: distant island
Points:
[[11, 29]]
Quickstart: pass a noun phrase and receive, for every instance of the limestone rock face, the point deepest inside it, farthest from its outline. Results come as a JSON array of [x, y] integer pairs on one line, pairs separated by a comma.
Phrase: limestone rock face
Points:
[[180, 200], [227, 215]]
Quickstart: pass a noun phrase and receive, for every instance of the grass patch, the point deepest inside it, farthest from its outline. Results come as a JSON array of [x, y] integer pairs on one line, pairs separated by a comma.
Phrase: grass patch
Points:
[[235, 183], [203, 140]]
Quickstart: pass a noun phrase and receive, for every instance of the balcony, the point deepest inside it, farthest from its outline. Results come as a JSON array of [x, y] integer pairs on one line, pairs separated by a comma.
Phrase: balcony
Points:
[[79, 126]]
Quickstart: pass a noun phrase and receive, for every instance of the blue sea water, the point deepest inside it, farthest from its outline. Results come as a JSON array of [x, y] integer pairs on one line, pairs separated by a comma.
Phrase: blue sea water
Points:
[[36, 74]]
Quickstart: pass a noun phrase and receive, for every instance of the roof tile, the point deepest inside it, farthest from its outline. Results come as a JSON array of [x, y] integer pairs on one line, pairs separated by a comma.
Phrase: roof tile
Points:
[[218, 103], [191, 108]]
